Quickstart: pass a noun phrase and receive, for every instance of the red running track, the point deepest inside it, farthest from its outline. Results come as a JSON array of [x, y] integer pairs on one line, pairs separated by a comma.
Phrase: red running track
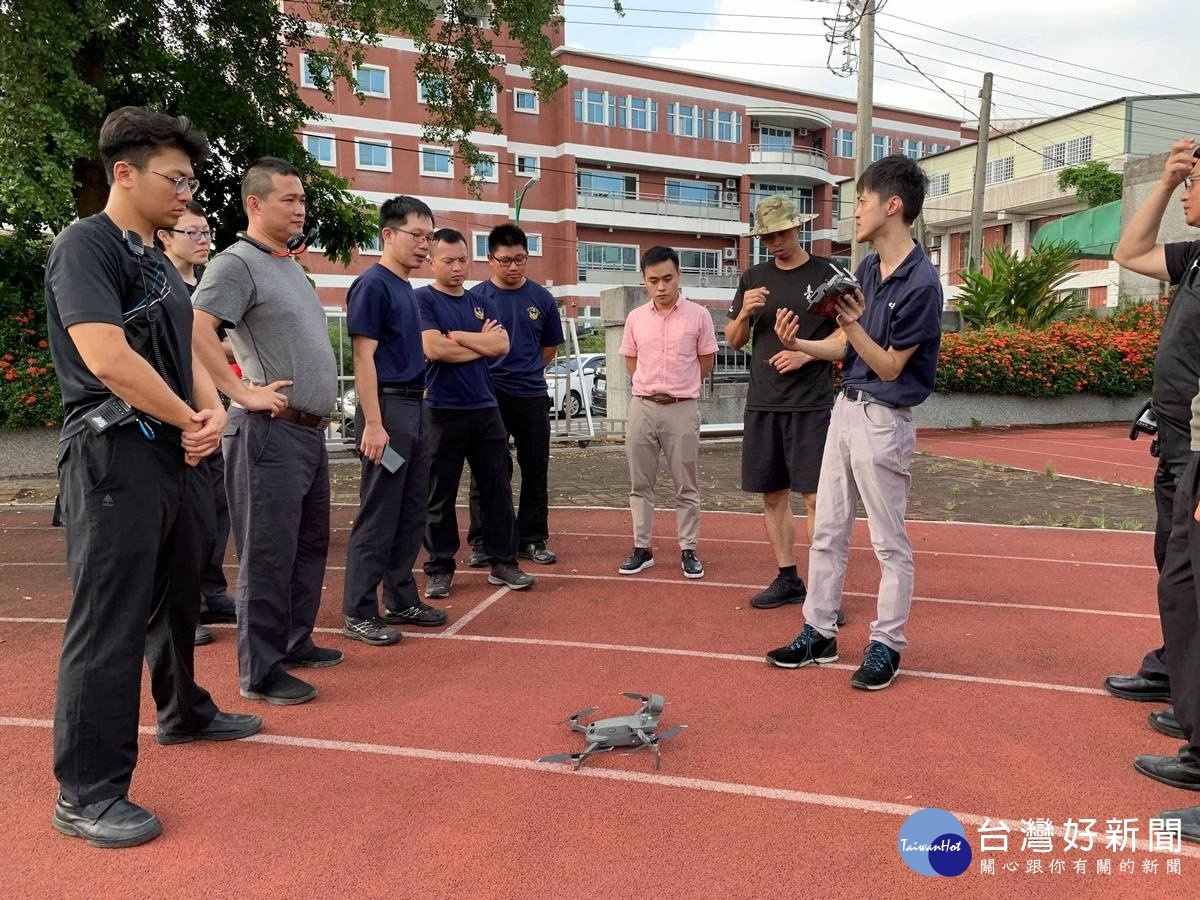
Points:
[[412, 773], [1094, 452]]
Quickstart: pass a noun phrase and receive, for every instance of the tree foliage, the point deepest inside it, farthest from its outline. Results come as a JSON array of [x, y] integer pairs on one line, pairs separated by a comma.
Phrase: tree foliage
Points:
[[65, 64], [1094, 182], [1025, 291]]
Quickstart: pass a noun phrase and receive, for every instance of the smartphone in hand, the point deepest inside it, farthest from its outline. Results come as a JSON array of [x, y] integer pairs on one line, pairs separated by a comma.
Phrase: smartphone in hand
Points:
[[392, 461]]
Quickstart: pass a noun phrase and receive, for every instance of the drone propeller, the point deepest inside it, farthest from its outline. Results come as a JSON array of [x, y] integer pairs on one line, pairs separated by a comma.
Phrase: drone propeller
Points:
[[557, 758], [633, 695], [669, 733], [587, 711]]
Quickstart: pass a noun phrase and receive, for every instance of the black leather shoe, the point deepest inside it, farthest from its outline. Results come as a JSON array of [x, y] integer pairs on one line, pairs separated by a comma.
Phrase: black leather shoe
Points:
[[217, 610], [1164, 720], [1189, 822], [224, 727], [316, 658], [1168, 770], [282, 690], [1135, 687], [108, 823]]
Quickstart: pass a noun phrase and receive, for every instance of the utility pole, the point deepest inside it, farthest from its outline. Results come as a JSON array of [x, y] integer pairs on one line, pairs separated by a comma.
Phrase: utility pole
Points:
[[975, 254], [866, 81]]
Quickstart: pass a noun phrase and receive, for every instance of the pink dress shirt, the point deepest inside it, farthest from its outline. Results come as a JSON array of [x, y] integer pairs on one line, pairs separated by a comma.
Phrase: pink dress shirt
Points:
[[668, 348]]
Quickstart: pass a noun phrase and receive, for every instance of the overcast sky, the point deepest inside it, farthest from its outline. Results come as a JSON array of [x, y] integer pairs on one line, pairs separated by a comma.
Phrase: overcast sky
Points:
[[1131, 46]]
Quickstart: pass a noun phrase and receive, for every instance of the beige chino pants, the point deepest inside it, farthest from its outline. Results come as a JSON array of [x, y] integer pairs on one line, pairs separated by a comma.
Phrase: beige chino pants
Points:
[[671, 430]]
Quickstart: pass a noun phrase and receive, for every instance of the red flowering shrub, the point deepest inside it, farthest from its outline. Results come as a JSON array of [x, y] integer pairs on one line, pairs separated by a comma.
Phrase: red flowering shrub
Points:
[[1113, 356], [29, 395]]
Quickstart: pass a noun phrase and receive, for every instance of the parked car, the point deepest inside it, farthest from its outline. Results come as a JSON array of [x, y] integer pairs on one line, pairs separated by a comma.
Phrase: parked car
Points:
[[347, 405], [600, 391], [562, 383]]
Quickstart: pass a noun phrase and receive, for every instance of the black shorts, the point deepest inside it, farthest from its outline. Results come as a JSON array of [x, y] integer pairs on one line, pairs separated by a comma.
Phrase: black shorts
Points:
[[782, 450]]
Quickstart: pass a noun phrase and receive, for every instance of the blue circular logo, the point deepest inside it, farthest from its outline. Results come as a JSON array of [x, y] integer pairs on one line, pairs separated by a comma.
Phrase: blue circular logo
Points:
[[933, 842]]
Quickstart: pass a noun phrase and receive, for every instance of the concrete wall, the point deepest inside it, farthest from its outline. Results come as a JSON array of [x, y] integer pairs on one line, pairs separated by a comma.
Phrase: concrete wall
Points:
[[1140, 177]]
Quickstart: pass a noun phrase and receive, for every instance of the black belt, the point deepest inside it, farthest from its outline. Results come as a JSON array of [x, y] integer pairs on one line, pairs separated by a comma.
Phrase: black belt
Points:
[[863, 397], [308, 420], [411, 391]]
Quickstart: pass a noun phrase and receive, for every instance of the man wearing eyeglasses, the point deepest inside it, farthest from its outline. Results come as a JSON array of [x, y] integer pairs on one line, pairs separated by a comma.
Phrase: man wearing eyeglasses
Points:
[[530, 316], [187, 247], [1172, 672], [138, 514], [275, 456]]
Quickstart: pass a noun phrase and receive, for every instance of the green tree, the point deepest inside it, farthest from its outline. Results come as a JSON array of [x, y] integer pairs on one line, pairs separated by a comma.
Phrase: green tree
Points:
[[65, 64], [1019, 290], [1094, 182]]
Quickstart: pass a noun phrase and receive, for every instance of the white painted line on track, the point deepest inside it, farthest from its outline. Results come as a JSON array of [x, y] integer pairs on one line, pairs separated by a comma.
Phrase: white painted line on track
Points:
[[477, 611], [657, 779]]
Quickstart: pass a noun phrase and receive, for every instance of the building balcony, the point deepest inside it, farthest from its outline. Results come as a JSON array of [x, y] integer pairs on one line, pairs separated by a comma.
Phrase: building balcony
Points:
[[789, 115], [798, 165], [725, 209], [599, 274]]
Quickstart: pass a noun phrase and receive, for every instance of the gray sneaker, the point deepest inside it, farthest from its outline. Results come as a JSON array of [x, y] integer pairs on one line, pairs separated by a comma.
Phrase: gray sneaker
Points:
[[438, 584], [478, 559], [372, 631], [510, 576]]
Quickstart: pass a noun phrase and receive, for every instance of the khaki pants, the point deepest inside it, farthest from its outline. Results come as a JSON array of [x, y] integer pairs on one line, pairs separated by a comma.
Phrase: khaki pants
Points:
[[867, 454], [672, 430]]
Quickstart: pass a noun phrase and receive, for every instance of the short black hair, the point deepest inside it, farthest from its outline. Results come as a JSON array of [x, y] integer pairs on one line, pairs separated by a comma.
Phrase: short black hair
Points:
[[259, 178], [192, 207], [395, 212], [448, 236], [507, 235], [656, 255], [133, 134], [897, 176]]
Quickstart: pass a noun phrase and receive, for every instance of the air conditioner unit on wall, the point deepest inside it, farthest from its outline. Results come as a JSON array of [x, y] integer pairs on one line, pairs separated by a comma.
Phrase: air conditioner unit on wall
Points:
[[801, 132], [729, 270], [729, 198], [731, 183], [729, 253]]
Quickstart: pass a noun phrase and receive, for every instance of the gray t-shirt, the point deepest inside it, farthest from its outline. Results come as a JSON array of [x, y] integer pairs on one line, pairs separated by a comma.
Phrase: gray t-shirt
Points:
[[278, 328]]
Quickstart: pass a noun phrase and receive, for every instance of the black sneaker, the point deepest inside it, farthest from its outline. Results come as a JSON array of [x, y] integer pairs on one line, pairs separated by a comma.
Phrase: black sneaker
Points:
[[282, 690], [639, 560], [879, 668], [809, 646], [217, 610], [316, 658], [478, 559], [203, 636], [372, 631], [692, 567], [510, 576], [438, 585], [841, 618], [780, 591], [538, 552], [417, 614]]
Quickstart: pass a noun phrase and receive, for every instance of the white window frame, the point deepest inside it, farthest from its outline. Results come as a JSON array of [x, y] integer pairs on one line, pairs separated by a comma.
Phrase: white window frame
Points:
[[999, 170], [537, 101], [476, 237], [494, 178], [421, 148], [637, 254], [911, 147], [777, 131], [939, 184], [306, 75], [332, 138], [374, 142], [371, 251], [625, 195], [732, 125], [534, 237], [525, 173], [842, 136], [424, 101], [887, 146], [694, 117], [629, 111], [387, 74]]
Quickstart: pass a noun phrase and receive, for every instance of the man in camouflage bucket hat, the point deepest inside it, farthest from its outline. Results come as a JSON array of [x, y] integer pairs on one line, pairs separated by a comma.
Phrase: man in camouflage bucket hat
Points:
[[791, 394]]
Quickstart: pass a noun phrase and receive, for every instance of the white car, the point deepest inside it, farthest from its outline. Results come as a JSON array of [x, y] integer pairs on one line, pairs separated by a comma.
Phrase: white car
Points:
[[562, 383]]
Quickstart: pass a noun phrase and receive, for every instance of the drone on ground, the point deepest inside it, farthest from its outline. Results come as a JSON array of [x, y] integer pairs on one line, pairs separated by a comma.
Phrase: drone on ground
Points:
[[638, 730]]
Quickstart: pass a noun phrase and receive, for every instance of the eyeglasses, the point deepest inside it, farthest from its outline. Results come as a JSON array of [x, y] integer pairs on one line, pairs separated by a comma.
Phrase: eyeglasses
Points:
[[505, 261], [183, 184], [421, 237], [198, 236], [1190, 181]]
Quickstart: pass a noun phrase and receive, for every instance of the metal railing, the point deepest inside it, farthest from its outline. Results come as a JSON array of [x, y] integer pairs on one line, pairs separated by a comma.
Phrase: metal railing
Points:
[[765, 154], [725, 207]]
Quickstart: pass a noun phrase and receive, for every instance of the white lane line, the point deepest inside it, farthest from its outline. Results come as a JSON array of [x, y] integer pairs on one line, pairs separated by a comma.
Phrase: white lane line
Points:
[[678, 782], [477, 611], [758, 659]]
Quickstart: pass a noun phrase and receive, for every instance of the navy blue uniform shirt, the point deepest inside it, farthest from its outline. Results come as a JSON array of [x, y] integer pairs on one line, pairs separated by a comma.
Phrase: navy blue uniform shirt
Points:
[[457, 385], [530, 316], [903, 310], [381, 306]]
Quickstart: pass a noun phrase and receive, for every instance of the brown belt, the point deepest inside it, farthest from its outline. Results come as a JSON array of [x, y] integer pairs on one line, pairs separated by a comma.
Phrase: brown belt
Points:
[[663, 398], [308, 420]]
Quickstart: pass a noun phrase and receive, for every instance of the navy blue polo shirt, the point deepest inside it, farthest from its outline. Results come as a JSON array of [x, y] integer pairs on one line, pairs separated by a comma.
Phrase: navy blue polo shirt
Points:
[[457, 385], [381, 306], [903, 310], [530, 316]]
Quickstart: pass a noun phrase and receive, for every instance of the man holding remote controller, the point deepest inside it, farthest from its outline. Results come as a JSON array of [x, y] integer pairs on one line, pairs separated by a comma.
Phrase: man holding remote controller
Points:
[[790, 395], [891, 333]]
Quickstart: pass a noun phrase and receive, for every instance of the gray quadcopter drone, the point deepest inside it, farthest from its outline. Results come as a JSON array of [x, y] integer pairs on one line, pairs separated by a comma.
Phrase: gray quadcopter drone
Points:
[[637, 731]]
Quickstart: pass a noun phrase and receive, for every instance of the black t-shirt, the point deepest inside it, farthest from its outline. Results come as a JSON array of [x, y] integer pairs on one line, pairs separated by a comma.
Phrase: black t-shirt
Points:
[[92, 275], [811, 386], [1177, 364]]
